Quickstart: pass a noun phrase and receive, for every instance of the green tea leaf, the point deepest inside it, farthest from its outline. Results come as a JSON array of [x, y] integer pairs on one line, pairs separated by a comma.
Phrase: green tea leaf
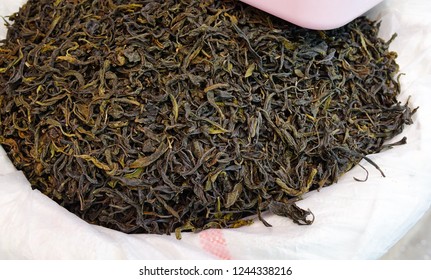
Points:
[[250, 70], [147, 160]]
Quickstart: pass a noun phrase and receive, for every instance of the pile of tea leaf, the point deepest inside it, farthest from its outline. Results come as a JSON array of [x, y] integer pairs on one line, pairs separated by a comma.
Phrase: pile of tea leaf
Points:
[[159, 116]]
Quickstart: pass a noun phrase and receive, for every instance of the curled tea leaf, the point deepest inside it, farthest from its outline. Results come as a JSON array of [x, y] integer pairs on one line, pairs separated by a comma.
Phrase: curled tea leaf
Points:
[[250, 70], [291, 210], [95, 161], [146, 161]]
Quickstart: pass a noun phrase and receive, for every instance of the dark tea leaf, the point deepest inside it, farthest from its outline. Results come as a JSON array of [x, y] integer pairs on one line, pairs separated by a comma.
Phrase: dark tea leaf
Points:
[[169, 116]]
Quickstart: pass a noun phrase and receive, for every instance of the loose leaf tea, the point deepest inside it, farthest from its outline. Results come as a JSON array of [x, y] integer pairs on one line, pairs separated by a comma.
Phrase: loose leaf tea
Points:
[[164, 116]]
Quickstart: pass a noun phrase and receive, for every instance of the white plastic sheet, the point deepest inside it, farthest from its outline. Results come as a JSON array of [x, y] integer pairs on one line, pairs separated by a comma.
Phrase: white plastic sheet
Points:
[[353, 220], [321, 14]]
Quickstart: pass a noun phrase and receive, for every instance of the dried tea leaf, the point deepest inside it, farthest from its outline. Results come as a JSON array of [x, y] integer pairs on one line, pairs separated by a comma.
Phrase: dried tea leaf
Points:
[[250, 70], [234, 195], [146, 161], [95, 161]]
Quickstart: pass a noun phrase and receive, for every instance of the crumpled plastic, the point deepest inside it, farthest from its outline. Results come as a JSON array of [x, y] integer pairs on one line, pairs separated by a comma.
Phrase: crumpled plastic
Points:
[[353, 220]]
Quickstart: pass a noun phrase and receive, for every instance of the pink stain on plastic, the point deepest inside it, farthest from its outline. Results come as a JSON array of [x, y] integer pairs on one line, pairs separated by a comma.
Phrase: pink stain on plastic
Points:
[[213, 241]]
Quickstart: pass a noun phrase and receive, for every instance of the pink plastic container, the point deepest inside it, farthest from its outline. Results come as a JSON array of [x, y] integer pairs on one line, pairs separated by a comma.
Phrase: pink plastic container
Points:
[[315, 14]]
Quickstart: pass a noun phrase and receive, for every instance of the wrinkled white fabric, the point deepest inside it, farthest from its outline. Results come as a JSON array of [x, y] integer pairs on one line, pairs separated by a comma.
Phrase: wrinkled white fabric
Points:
[[353, 220]]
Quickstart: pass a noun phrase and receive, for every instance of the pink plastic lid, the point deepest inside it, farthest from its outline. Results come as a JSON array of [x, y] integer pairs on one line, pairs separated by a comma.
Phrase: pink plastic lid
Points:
[[315, 14]]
